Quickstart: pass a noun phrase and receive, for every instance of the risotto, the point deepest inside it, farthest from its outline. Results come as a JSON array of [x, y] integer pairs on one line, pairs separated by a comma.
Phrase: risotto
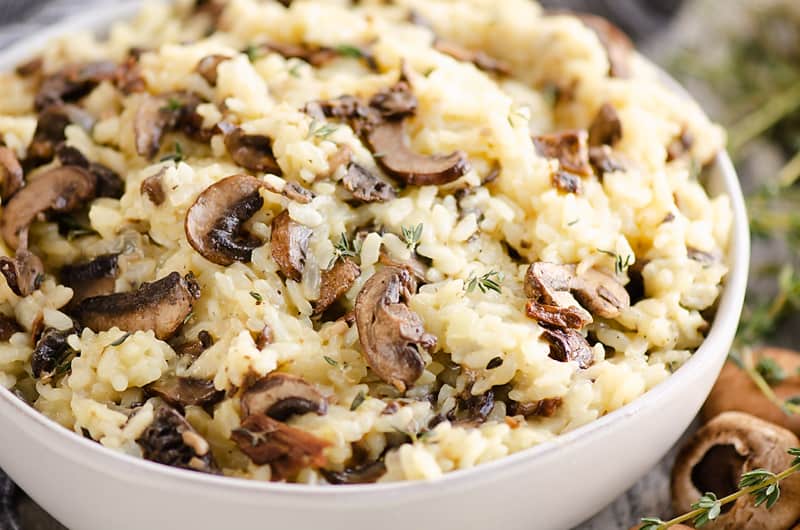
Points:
[[327, 243]]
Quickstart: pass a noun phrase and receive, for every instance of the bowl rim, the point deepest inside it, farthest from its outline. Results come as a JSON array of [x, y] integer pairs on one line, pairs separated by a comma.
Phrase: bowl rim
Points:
[[721, 332]]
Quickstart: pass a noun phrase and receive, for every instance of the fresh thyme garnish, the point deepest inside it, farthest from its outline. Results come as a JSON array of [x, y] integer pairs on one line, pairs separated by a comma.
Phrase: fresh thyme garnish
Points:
[[771, 371], [348, 50], [172, 105], [176, 156], [122, 339], [621, 264], [257, 297], [762, 485], [488, 282], [253, 52], [412, 236], [321, 130], [188, 317], [330, 361], [343, 248], [294, 71], [358, 400], [573, 222]]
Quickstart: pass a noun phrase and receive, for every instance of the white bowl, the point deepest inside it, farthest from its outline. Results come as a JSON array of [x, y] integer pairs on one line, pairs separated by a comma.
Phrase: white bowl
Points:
[[552, 486]]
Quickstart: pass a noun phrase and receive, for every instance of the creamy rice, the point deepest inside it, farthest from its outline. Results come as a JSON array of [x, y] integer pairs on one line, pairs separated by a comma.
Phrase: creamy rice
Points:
[[647, 223]]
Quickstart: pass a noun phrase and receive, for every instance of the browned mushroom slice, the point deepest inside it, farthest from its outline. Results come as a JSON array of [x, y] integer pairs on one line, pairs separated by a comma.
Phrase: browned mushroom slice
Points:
[[543, 281], [618, 46], [388, 140], [214, 222], [335, 282], [569, 147], [170, 440], [108, 182], [24, 273], [365, 186], [472, 410], [207, 67], [50, 350], [603, 160], [160, 306], [561, 317], [679, 146], [11, 174], [73, 82], [566, 182], [600, 293], [314, 55], [395, 102], [480, 59], [251, 151], [290, 245], [153, 119], [606, 128], [153, 188], [295, 192], [368, 473], [50, 125], [8, 326], [569, 345], [31, 67], [286, 449], [391, 335], [344, 107], [545, 408], [186, 391], [718, 454], [128, 77], [92, 278], [60, 190], [280, 396]]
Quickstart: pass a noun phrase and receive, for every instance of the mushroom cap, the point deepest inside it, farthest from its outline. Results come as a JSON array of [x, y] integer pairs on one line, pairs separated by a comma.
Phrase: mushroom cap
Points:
[[61, 189], [334, 282], [172, 441], [601, 294], [389, 332], [569, 345], [11, 174], [207, 67], [606, 128], [569, 147], [364, 474], [214, 222], [365, 186], [734, 390], [717, 455], [23, 273], [185, 391], [251, 151], [281, 395], [289, 242], [91, 278], [160, 306]]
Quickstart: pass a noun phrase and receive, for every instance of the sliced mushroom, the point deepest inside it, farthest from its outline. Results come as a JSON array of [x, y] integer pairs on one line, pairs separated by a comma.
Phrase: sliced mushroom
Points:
[[569, 148], [544, 408], [618, 46], [50, 125], [160, 306], [280, 396], [8, 326], [470, 409], [600, 293], [680, 145], [344, 107], [557, 316], [395, 102], [153, 188], [92, 278], [606, 128], [251, 151], [566, 182], [286, 449], [170, 440], [335, 282], [719, 453], [289, 245], [388, 140], [207, 67], [60, 190], [214, 222], [153, 119], [50, 350], [604, 161], [128, 77], [73, 82], [316, 56], [368, 473], [193, 348], [569, 345], [365, 186], [391, 335], [108, 182], [24, 273], [31, 67], [11, 174], [735, 390], [547, 285], [480, 59], [186, 391], [295, 192]]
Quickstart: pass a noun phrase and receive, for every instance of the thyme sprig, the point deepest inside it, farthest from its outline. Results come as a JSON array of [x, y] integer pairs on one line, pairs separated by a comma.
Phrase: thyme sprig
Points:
[[761, 484], [412, 236], [344, 247], [491, 281]]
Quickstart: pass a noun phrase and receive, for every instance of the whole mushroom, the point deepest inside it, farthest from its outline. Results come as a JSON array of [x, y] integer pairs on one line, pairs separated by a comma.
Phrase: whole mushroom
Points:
[[717, 455], [734, 390]]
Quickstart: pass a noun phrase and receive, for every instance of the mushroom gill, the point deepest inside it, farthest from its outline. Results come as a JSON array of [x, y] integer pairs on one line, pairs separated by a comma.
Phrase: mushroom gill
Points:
[[251, 151], [172, 441], [91, 278], [23, 273], [391, 335], [182, 392], [281, 395], [160, 306], [214, 222]]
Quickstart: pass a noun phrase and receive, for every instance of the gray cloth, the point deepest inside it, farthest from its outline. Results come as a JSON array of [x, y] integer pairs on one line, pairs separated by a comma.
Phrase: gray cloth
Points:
[[640, 18]]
